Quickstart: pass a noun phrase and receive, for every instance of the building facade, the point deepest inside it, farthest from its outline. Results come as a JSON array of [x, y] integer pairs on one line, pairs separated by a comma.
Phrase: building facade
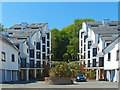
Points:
[[93, 38], [112, 61], [34, 44], [9, 67]]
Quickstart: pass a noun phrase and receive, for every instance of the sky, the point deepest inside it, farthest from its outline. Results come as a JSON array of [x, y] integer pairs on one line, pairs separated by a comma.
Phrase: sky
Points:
[[56, 14]]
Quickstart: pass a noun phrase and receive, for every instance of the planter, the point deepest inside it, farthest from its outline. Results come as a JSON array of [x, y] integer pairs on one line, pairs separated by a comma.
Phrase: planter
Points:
[[58, 80]]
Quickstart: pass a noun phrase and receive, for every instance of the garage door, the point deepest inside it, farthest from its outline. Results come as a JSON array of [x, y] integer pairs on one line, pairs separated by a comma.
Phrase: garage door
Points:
[[14, 75], [8, 75], [2, 75]]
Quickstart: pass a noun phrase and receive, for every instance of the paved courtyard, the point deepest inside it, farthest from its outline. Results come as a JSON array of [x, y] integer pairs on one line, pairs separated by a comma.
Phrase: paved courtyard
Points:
[[41, 84]]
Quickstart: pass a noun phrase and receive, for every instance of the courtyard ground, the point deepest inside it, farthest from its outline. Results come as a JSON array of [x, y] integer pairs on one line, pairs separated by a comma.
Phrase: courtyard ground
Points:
[[41, 84]]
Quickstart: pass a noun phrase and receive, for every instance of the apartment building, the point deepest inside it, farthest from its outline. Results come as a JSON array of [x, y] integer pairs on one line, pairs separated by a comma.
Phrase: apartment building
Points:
[[112, 61], [34, 44], [91, 43], [8, 60]]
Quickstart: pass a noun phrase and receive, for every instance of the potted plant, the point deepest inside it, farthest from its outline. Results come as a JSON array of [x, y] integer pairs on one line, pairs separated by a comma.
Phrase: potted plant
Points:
[[60, 74]]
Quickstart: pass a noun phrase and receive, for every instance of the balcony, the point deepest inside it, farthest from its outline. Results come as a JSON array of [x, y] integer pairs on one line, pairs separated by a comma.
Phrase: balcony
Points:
[[31, 66]]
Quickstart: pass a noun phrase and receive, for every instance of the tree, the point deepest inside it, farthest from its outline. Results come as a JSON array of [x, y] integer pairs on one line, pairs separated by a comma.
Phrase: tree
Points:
[[67, 40], [66, 56]]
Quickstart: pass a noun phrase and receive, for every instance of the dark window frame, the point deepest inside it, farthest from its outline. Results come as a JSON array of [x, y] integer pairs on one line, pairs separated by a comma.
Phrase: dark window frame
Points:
[[109, 56], [117, 55], [13, 58], [3, 53]]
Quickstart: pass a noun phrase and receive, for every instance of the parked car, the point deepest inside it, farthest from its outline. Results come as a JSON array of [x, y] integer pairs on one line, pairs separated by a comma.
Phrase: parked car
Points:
[[80, 78]]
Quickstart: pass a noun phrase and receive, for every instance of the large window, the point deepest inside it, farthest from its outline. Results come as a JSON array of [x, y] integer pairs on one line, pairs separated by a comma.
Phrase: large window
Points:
[[38, 64], [84, 55], [84, 47], [31, 53], [109, 56], [48, 51], [82, 34], [13, 57], [89, 44], [31, 63], [38, 55], [43, 55], [85, 37], [81, 43], [88, 54], [23, 63], [48, 44], [43, 48], [3, 56], [38, 45], [48, 36], [43, 39], [94, 62], [101, 62], [88, 63], [94, 52], [117, 54]]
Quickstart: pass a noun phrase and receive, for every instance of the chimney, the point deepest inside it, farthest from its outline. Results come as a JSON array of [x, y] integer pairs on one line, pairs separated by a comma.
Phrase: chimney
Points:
[[24, 25], [105, 22]]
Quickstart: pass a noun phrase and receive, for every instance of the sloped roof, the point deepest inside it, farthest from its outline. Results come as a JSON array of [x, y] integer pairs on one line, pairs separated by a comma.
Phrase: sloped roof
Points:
[[6, 40], [106, 30], [33, 25], [21, 33], [100, 23]]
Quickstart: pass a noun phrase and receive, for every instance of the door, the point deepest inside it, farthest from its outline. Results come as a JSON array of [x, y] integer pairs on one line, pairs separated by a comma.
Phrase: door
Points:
[[8, 75], [14, 75]]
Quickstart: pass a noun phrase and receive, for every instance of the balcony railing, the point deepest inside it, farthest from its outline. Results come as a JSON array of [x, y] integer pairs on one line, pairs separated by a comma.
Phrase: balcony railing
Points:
[[31, 66]]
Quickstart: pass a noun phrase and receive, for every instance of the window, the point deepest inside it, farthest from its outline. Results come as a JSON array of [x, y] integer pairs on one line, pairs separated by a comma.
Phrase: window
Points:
[[38, 55], [13, 58], [27, 50], [48, 51], [88, 54], [94, 52], [109, 56], [48, 58], [81, 43], [43, 48], [88, 63], [48, 36], [31, 63], [84, 55], [3, 56], [85, 37], [101, 62], [43, 39], [43, 55], [38, 45], [117, 55], [89, 44], [82, 34], [107, 44], [48, 44], [81, 50], [17, 46], [31, 53], [94, 62], [23, 63], [38, 64], [84, 47]]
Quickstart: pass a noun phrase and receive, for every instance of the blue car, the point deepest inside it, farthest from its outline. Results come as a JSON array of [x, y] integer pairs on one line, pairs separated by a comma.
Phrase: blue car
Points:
[[80, 78]]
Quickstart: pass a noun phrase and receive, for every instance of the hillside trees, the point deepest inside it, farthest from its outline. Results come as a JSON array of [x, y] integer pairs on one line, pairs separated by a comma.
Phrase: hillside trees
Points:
[[67, 40]]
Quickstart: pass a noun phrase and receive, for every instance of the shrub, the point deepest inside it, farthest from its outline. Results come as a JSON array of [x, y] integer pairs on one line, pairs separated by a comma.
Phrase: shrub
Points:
[[60, 70]]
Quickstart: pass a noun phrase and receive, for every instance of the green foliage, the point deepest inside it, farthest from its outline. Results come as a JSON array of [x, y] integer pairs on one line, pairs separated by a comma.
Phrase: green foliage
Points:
[[61, 70], [40, 75], [66, 56], [67, 40], [54, 63], [91, 74]]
